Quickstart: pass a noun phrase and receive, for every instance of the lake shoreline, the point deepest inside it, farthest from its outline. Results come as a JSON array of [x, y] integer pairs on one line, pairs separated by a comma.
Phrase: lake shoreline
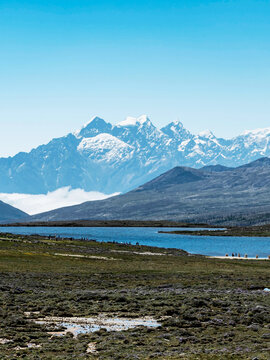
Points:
[[237, 258], [109, 223], [154, 237], [127, 247], [205, 229], [252, 231]]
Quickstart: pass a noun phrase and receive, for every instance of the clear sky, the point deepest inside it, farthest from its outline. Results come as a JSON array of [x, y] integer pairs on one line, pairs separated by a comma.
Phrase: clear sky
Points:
[[206, 63]]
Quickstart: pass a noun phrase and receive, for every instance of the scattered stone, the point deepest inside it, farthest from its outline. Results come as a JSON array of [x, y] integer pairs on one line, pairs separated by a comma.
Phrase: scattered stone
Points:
[[33, 346], [28, 346], [91, 348], [4, 341]]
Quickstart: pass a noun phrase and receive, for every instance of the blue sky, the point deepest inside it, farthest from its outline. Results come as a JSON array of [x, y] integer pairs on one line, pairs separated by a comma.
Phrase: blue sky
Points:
[[206, 63]]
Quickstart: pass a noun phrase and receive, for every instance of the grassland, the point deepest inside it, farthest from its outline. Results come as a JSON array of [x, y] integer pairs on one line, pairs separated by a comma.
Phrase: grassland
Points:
[[250, 231], [208, 308], [109, 223]]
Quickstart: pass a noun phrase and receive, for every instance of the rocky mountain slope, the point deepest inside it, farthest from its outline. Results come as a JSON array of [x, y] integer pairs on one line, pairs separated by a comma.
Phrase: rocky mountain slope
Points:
[[9, 213], [118, 158], [213, 194]]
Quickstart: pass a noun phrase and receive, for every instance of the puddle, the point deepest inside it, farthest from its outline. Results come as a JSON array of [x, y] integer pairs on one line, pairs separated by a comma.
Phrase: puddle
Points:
[[77, 325], [28, 346]]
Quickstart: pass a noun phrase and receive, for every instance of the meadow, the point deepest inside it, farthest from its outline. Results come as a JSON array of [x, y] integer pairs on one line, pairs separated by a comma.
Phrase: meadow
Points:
[[207, 308]]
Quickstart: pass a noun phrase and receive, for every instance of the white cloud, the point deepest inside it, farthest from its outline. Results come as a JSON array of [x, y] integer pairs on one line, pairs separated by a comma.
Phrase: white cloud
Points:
[[34, 204]]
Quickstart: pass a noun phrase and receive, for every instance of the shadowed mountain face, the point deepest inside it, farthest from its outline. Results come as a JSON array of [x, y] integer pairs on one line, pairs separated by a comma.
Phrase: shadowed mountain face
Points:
[[176, 176], [117, 158], [195, 195], [10, 213]]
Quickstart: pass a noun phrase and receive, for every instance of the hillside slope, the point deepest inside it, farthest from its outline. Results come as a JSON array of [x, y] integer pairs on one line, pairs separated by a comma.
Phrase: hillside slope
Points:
[[10, 213], [186, 194]]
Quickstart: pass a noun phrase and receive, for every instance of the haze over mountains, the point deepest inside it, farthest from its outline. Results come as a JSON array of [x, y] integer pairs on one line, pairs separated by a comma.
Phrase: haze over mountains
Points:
[[213, 194], [106, 158]]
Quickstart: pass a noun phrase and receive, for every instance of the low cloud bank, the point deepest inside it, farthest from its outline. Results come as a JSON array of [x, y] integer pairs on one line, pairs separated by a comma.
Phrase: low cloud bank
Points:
[[34, 204]]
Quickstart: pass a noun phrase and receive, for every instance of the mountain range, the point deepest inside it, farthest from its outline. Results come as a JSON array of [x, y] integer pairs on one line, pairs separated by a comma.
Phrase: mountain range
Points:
[[212, 194], [117, 158]]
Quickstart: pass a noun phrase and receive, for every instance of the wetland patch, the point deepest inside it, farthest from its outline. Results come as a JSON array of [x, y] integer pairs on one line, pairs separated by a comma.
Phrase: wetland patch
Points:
[[206, 308], [84, 325]]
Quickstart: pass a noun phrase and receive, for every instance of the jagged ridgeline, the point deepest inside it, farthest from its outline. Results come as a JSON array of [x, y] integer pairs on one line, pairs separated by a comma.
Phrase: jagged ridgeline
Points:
[[107, 158]]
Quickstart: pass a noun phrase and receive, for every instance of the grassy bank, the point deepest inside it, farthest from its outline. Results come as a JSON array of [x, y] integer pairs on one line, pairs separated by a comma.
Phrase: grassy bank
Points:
[[208, 308], [109, 223], [250, 231]]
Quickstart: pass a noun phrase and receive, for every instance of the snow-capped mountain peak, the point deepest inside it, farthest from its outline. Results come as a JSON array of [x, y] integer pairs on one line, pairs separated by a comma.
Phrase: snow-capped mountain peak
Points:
[[94, 119], [206, 134], [258, 133], [117, 158], [177, 123], [175, 130], [93, 127], [132, 121]]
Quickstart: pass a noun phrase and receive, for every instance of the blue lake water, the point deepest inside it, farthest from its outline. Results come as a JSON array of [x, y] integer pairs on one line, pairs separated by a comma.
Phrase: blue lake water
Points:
[[205, 245]]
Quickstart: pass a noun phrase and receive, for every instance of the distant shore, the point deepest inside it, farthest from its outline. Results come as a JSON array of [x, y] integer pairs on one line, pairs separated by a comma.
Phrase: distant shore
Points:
[[204, 229], [239, 231], [110, 223]]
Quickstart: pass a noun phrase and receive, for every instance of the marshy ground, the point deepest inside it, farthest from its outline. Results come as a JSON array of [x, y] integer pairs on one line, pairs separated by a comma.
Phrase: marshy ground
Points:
[[207, 308]]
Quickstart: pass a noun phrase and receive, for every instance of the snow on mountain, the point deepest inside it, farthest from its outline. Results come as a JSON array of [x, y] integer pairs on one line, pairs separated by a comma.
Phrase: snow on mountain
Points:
[[257, 133], [176, 131], [116, 158], [105, 147], [206, 134], [132, 121]]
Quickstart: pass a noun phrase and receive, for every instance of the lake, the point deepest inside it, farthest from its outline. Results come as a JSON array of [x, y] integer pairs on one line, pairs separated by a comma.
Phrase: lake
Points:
[[205, 245]]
